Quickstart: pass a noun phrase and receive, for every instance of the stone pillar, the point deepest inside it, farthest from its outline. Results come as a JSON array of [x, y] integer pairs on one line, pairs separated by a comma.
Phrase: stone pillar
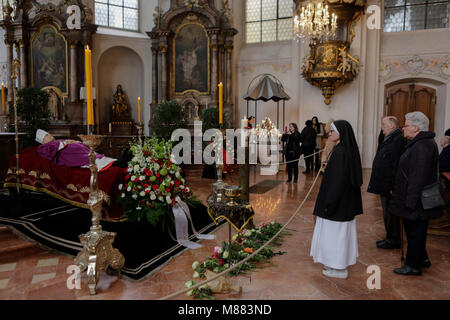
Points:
[[154, 76], [228, 51], [19, 76], [23, 65], [73, 72], [214, 64], [163, 71], [9, 58]]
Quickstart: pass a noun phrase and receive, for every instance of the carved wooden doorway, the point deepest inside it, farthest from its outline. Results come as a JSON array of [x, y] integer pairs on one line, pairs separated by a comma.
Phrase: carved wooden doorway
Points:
[[408, 98]]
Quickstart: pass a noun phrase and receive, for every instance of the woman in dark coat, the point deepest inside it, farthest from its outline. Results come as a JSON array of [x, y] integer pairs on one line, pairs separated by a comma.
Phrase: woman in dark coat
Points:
[[292, 150], [319, 134], [334, 242], [417, 168], [308, 140]]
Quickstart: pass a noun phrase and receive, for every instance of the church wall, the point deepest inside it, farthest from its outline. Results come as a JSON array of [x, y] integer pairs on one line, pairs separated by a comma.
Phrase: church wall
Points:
[[422, 57]]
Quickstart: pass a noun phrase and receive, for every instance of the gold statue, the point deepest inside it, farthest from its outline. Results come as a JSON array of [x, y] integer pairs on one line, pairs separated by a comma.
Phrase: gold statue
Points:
[[120, 107]]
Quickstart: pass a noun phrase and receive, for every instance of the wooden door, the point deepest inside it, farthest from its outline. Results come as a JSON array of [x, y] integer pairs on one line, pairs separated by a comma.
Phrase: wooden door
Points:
[[409, 98]]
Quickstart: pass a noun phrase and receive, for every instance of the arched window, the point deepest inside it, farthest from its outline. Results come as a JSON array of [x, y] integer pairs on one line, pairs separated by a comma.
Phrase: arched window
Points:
[[122, 14], [269, 20], [408, 15]]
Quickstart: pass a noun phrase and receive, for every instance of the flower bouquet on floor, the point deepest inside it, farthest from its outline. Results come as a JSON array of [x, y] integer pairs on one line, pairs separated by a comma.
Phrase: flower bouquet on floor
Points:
[[152, 183]]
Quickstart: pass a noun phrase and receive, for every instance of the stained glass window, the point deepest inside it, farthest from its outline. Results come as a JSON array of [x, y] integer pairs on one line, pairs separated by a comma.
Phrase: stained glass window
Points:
[[122, 14], [269, 20], [408, 15]]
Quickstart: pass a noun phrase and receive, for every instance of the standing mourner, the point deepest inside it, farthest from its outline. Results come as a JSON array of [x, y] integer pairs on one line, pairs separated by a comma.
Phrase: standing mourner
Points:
[[329, 145], [292, 150], [444, 156], [382, 179], [417, 168], [308, 140], [334, 242], [319, 134]]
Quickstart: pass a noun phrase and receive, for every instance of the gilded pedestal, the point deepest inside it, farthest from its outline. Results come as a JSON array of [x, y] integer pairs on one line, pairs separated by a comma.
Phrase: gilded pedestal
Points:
[[97, 254]]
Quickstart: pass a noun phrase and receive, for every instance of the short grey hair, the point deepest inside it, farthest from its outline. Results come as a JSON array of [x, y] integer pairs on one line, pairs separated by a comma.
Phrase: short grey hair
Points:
[[418, 119]]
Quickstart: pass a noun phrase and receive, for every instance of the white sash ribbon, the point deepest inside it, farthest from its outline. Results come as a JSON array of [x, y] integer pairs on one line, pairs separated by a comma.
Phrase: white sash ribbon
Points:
[[181, 213]]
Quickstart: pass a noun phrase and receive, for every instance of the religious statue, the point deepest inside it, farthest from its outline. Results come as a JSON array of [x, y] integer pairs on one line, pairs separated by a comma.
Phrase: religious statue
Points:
[[157, 16], [349, 63], [308, 64], [120, 108]]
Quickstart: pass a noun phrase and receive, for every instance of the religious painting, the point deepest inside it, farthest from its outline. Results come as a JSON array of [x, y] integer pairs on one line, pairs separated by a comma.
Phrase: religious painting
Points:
[[191, 59], [49, 60], [326, 56]]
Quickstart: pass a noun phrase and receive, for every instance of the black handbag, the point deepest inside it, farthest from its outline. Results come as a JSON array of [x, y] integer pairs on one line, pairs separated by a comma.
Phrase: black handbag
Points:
[[433, 195]]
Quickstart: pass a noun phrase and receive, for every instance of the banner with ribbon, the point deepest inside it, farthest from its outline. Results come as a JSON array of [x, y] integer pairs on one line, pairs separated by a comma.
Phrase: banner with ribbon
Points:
[[182, 215]]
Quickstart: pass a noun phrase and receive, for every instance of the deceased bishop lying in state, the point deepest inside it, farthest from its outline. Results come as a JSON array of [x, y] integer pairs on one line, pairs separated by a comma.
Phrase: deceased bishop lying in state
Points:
[[68, 153]]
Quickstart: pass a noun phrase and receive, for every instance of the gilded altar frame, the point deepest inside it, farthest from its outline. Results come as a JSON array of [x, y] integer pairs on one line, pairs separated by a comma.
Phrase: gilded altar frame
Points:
[[36, 34], [173, 64]]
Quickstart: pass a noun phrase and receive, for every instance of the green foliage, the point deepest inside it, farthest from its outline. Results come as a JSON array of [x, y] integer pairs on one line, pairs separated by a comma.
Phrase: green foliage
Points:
[[32, 109], [168, 116], [210, 119]]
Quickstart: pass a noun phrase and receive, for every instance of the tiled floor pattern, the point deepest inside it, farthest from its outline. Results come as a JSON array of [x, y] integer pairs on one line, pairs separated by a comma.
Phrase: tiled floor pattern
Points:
[[28, 272]]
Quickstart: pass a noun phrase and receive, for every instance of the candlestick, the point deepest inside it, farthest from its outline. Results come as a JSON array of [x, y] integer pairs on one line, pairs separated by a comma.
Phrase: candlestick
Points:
[[89, 99], [220, 103], [139, 108], [98, 253], [3, 98]]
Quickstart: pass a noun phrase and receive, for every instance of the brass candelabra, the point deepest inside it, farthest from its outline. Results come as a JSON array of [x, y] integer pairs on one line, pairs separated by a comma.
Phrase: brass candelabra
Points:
[[98, 253]]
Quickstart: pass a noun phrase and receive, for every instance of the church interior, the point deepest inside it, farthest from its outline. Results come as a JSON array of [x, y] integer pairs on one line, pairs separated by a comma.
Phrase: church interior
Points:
[[115, 78]]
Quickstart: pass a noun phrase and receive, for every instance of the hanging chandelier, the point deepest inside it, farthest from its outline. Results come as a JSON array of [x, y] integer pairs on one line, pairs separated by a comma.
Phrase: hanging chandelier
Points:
[[314, 22]]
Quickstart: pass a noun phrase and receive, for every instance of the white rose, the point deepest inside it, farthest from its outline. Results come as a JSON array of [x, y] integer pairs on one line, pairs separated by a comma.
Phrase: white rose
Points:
[[123, 195], [189, 284], [142, 194], [225, 255], [134, 196], [129, 189], [195, 265], [120, 186], [168, 199], [161, 198], [156, 166], [196, 275], [138, 208], [133, 178], [136, 167], [142, 178]]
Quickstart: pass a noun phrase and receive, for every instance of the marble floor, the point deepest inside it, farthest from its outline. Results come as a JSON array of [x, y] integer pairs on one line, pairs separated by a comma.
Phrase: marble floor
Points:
[[28, 272]]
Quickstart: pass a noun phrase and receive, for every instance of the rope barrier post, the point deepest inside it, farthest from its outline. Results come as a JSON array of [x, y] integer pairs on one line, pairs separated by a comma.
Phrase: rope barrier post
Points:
[[244, 175]]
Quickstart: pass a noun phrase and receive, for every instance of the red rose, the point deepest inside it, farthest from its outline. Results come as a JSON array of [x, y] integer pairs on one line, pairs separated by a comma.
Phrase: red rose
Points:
[[158, 175], [167, 189], [177, 183], [127, 177], [147, 191], [143, 201], [146, 185], [154, 187]]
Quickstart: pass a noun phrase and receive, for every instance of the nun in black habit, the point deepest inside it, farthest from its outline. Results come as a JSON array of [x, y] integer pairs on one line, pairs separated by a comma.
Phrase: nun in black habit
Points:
[[334, 242]]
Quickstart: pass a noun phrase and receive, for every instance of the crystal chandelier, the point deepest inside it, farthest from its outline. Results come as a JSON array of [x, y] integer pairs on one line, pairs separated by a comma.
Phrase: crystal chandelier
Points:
[[266, 130], [314, 22]]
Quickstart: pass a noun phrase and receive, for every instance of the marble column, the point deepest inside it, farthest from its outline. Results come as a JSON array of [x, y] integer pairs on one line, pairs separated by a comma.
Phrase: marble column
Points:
[[228, 51], [19, 75], [23, 65], [163, 72], [155, 97], [9, 58], [214, 63], [73, 72]]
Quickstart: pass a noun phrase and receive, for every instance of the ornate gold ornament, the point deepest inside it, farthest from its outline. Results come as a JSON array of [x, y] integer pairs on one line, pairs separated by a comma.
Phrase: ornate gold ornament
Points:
[[329, 64]]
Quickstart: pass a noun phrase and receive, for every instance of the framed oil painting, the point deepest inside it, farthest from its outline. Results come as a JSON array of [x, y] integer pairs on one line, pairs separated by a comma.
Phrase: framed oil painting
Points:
[[191, 59], [49, 60]]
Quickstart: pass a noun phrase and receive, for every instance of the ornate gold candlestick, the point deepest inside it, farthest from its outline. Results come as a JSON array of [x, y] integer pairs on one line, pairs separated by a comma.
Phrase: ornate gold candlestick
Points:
[[97, 254], [140, 128]]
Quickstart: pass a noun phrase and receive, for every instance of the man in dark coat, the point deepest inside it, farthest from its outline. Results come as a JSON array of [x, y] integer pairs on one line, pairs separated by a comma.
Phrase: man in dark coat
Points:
[[292, 150], [308, 140], [444, 157], [417, 168], [382, 179]]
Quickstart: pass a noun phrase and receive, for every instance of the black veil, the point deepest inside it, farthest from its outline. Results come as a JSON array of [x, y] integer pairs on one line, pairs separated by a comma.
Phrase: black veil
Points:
[[348, 140]]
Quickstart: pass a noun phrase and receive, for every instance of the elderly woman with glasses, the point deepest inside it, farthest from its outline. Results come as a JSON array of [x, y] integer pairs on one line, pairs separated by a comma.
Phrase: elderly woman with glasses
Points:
[[417, 168]]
